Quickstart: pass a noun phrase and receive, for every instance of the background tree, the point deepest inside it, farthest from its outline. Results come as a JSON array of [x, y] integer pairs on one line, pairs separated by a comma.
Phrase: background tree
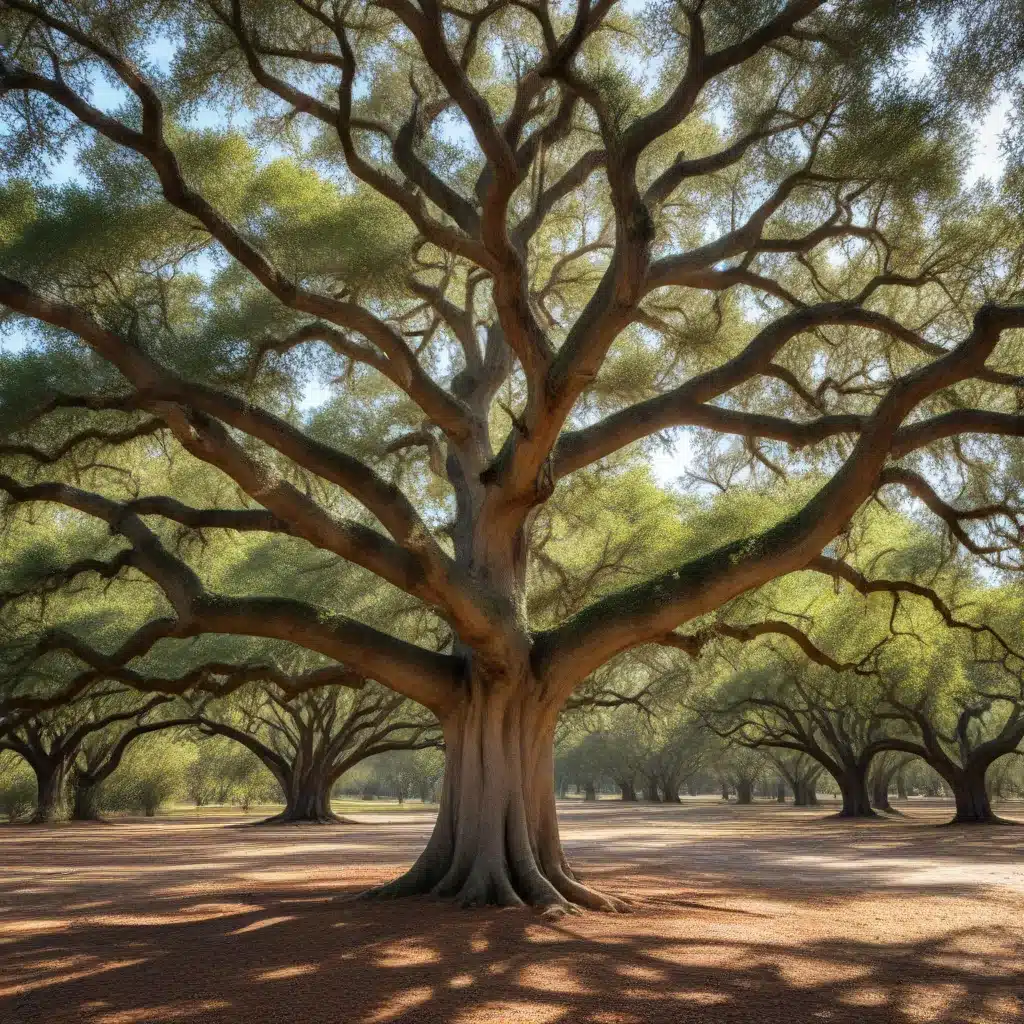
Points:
[[100, 755], [518, 260], [885, 767], [820, 714], [151, 774], [960, 729], [51, 742], [801, 774], [743, 767], [309, 741]]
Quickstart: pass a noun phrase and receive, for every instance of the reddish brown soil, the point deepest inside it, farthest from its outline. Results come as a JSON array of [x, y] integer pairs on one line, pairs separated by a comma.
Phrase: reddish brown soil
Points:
[[760, 914]]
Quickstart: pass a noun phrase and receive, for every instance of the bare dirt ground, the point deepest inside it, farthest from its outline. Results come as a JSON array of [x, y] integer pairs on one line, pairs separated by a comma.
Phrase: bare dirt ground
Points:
[[760, 914]]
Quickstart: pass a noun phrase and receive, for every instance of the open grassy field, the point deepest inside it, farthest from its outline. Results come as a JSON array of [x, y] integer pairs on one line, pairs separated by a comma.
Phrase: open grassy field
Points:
[[762, 913]]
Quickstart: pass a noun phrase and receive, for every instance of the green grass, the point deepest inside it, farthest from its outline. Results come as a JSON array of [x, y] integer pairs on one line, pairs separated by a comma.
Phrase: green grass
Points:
[[346, 805]]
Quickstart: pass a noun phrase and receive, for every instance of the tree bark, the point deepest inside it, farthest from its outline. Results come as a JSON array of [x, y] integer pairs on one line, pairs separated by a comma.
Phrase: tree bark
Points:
[[725, 790], [880, 794], [854, 788], [496, 838], [628, 788], [972, 801], [85, 801], [901, 785], [744, 792], [51, 796], [589, 792], [670, 791], [780, 792], [307, 797]]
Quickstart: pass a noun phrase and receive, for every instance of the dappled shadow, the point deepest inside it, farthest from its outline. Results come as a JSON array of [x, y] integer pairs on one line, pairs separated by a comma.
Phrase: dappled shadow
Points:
[[175, 920]]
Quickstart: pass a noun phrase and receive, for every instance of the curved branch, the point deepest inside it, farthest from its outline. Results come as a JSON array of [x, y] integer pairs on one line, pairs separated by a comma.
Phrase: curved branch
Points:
[[645, 612]]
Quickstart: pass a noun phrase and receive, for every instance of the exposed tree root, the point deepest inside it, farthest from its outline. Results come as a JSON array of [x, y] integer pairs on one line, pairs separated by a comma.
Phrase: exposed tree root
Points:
[[285, 819]]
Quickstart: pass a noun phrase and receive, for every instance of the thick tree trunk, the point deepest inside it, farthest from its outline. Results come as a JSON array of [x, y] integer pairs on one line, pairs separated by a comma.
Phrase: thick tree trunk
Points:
[[670, 791], [307, 794], [853, 785], [780, 792], [51, 795], [589, 791], [725, 790], [628, 788], [744, 792], [496, 837], [972, 801]]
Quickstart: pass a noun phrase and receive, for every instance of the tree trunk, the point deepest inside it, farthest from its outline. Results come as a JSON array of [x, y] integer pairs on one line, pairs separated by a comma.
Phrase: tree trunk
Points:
[[496, 838], [972, 802], [307, 795], [725, 790], [589, 792], [901, 785], [51, 796], [780, 792], [744, 791], [651, 792], [628, 788], [670, 791], [85, 802], [853, 785], [880, 794]]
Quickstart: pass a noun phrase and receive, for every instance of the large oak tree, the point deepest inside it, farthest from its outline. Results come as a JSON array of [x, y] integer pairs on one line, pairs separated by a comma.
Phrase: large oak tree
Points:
[[524, 239]]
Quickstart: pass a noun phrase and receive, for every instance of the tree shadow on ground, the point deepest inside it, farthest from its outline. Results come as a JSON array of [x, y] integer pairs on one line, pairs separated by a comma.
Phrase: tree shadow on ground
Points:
[[169, 922]]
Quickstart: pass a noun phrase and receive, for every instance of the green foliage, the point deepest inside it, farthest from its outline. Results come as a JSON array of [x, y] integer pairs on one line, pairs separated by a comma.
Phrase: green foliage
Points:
[[17, 787], [152, 774], [400, 774], [221, 771]]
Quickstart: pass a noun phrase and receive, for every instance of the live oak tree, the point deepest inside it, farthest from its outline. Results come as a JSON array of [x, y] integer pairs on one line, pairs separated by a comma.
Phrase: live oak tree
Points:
[[741, 768], [828, 718], [72, 748], [100, 756], [885, 769], [524, 240], [309, 741], [801, 774], [961, 726]]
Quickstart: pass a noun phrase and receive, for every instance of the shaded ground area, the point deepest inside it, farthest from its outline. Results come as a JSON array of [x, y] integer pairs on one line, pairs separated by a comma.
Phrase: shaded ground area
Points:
[[743, 914]]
